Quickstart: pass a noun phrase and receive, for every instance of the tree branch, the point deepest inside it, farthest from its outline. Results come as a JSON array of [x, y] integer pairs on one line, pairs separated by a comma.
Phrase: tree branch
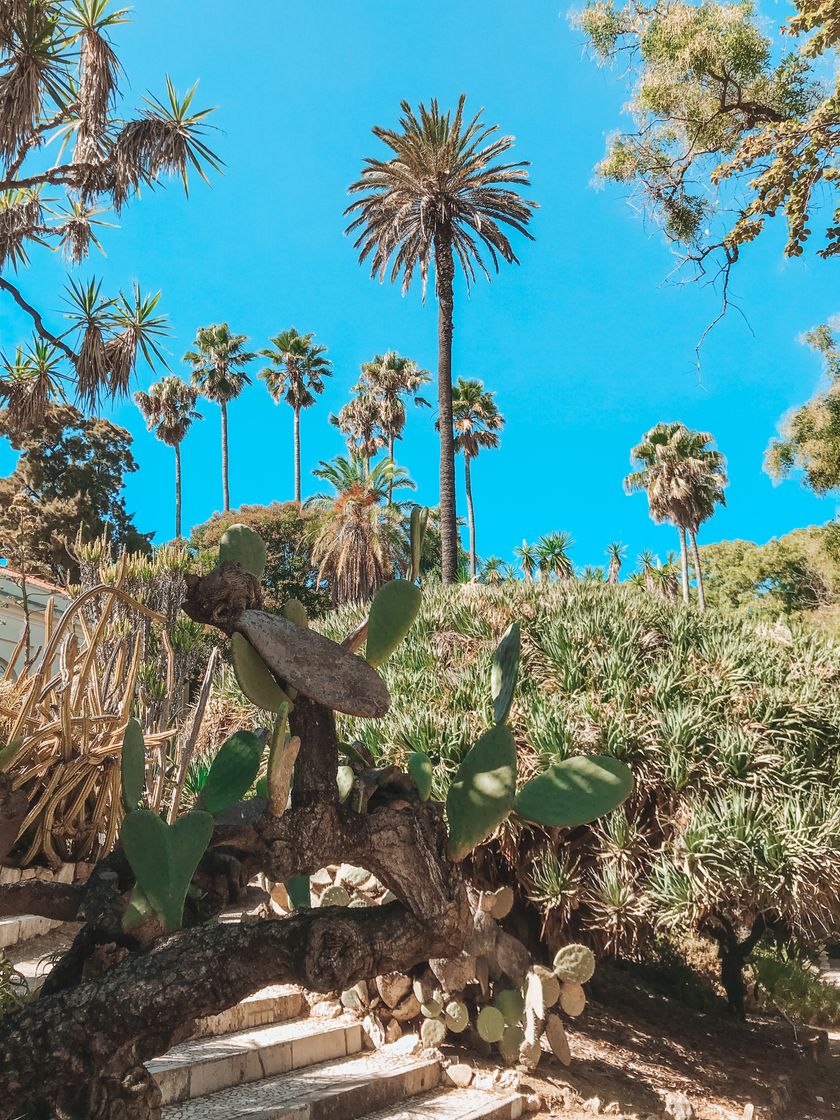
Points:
[[59, 901], [36, 318]]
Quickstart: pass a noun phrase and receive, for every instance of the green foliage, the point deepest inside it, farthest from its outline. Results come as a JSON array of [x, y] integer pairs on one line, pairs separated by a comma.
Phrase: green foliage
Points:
[[13, 987], [490, 1024], [575, 791], [788, 980], [164, 857], [254, 677], [392, 612], [232, 772], [298, 891], [240, 544], [504, 672], [482, 792], [133, 766], [418, 524], [421, 769]]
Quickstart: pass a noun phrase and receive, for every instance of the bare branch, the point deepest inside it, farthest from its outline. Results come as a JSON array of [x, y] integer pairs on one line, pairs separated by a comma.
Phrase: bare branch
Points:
[[36, 319]]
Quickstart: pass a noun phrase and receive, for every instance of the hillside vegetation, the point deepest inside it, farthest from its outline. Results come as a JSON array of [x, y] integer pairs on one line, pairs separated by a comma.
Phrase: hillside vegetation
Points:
[[732, 729]]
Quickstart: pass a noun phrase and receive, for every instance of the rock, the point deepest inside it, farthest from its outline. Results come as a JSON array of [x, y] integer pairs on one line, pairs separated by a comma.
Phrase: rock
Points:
[[454, 973], [484, 1081], [749, 1111], [460, 1075], [409, 1044], [326, 1009], [393, 987], [593, 1105], [613, 1109], [374, 1031], [393, 1031], [533, 1102], [514, 959], [678, 1107], [409, 1008]]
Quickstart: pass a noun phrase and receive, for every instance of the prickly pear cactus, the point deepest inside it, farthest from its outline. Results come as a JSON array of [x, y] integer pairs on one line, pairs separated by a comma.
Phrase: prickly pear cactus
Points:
[[241, 545], [232, 772], [133, 766]]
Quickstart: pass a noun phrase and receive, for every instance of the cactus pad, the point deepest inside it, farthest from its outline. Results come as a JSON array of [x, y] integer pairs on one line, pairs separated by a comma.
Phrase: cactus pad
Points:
[[432, 1033], [298, 891], [254, 677], [456, 1016], [511, 1003], [241, 545], [482, 792], [575, 791], [510, 1042], [555, 1032], [335, 896], [490, 1024], [417, 533], [575, 962], [164, 857], [504, 671], [232, 772], [345, 778], [420, 768], [295, 611], [431, 1009], [572, 998], [392, 612], [133, 766], [503, 901]]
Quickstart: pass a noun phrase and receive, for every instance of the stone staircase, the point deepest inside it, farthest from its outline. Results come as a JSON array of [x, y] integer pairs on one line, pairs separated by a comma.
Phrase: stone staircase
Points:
[[268, 1058]]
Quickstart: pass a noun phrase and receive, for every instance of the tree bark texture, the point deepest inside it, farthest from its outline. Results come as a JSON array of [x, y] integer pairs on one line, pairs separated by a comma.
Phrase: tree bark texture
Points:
[[297, 454], [695, 551], [470, 515], [177, 491], [683, 565], [225, 476], [444, 277]]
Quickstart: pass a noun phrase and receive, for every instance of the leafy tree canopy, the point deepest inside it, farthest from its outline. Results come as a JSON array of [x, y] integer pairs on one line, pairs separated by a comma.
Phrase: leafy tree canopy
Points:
[[731, 126], [67, 485], [287, 531]]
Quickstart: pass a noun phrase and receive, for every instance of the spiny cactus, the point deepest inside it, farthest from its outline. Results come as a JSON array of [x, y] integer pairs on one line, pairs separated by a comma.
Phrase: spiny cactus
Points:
[[133, 766], [575, 962], [242, 545], [572, 998], [433, 1032], [254, 677], [575, 791], [511, 1003], [417, 534], [482, 791], [421, 769], [490, 1024], [335, 896], [165, 857], [392, 612], [232, 772], [456, 1015], [504, 672]]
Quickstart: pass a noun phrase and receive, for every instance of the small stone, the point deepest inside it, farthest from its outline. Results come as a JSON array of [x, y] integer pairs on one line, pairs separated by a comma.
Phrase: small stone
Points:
[[393, 1031], [678, 1107], [393, 987], [409, 1044], [533, 1102], [612, 1109], [374, 1031], [593, 1105], [326, 1009], [484, 1081], [749, 1111], [506, 1079], [408, 1009], [9, 876], [460, 1075]]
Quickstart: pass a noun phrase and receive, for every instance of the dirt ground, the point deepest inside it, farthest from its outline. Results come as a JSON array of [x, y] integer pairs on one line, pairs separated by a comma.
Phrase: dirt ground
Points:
[[642, 1046]]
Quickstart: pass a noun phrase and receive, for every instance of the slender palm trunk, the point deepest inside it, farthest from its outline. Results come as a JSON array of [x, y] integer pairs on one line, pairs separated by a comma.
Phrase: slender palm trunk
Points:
[[701, 594], [391, 457], [683, 564], [470, 515], [225, 486], [444, 276], [297, 455], [177, 491]]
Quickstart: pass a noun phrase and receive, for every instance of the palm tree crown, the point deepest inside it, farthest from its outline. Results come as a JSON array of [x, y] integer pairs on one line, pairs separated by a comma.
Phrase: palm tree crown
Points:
[[444, 194], [391, 379], [528, 558], [553, 555], [477, 422]]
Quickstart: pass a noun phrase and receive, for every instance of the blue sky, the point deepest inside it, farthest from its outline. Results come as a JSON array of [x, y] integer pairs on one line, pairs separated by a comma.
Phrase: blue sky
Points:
[[584, 342]]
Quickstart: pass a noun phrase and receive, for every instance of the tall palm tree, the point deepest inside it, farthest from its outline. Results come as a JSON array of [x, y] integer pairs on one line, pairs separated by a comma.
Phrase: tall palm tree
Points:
[[391, 379], [169, 409], [218, 371], [360, 422], [441, 197], [553, 554], [296, 373], [684, 480], [360, 539], [528, 558], [477, 423], [616, 553]]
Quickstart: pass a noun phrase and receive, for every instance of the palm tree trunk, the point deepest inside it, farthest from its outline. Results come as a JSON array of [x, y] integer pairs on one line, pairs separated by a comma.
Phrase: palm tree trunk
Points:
[[470, 515], [297, 455], [391, 457], [683, 564], [444, 276], [225, 486], [701, 595], [177, 491]]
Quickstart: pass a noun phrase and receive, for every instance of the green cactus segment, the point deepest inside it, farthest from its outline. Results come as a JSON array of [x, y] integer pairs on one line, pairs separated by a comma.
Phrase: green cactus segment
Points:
[[138, 912], [431, 1009], [295, 611], [482, 793], [164, 857], [133, 766], [509, 1044], [490, 1024], [345, 778], [432, 1033], [417, 534], [335, 896], [456, 1015], [392, 612], [254, 677], [511, 1003], [298, 890], [282, 756], [503, 901], [504, 672], [421, 769], [232, 772], [241, 545], [575, 962], [572, 998], [575, 791]]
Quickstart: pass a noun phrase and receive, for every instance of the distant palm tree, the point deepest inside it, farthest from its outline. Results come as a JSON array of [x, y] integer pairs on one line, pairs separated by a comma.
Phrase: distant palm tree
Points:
[[477, 424], [647, 570], [296, 373], [391, 379], [554, 559], [169, 409], [218, 362], [616, 553], [493, 571], [441, 197], [684, 481], [360, 422], [528, 558], [360, 536]]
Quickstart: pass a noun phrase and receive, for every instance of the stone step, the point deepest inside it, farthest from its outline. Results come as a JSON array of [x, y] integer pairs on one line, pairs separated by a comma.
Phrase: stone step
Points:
[[24, 927], [275, 1004], [342, 1090], [208, 1065], [455, 1104]]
